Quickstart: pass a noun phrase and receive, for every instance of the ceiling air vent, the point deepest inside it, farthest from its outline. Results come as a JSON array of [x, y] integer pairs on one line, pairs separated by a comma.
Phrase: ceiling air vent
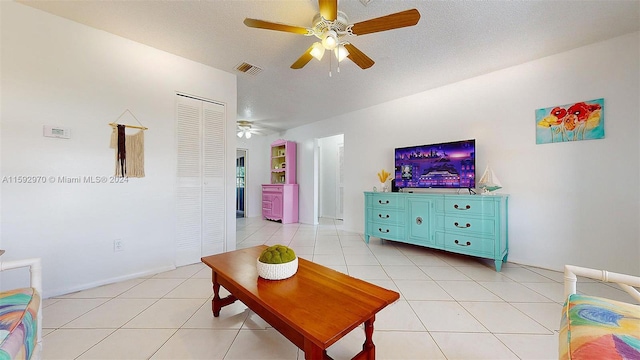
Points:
[[248, 69]]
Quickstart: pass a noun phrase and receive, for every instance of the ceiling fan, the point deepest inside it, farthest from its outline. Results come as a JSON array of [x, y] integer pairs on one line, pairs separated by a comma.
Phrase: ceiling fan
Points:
[[245, 129], [331, 27]]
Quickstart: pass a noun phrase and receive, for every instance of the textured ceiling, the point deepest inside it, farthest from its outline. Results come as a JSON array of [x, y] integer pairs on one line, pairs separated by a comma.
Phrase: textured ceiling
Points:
[[453, 40]]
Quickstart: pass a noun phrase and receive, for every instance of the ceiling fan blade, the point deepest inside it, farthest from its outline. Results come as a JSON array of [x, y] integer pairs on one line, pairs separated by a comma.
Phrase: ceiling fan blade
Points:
[[328, 9], [303, 60], [261, 24], [388, 22], [359, 57]]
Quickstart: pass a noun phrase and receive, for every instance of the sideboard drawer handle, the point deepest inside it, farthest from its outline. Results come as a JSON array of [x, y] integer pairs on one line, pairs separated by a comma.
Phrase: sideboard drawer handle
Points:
[[385, 231], [383, 217], [467, 207], [462, 227], [386, 202], [419, 220], [458, 243]]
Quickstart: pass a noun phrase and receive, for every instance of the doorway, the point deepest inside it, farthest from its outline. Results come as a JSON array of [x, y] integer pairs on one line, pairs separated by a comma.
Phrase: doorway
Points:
[[241, 183], [330, 178]]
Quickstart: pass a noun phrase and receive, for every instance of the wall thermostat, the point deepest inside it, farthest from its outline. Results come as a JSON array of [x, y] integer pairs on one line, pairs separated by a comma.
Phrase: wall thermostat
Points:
[[57, 132]]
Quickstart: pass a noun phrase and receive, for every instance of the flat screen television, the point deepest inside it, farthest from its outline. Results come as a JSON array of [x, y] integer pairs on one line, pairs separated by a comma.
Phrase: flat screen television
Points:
[[443, 165]]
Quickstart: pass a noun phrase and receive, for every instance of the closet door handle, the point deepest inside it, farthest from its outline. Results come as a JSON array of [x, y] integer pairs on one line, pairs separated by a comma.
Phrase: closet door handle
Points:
[[458, 243], [462, 227], [467, 207]]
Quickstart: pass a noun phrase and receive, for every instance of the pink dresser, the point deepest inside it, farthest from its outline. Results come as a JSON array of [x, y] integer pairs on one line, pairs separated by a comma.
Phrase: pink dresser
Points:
[[280, 197]]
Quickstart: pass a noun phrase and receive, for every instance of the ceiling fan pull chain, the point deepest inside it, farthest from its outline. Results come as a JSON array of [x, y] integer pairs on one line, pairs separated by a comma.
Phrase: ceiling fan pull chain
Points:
[[329, 66]]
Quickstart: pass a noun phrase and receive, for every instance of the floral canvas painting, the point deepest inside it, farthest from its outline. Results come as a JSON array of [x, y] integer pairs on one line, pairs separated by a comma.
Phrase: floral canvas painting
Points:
[[571, 122]]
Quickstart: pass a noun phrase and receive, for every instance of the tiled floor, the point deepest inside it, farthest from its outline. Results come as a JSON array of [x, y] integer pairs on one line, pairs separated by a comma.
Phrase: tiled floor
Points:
[[451, 307]]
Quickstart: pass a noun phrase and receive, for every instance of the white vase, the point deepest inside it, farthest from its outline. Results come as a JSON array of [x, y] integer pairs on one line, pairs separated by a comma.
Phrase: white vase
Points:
[[384, 187]]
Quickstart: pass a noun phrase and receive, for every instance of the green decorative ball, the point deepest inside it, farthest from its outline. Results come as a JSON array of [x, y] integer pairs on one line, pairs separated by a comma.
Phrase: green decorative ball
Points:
[[277, 254]]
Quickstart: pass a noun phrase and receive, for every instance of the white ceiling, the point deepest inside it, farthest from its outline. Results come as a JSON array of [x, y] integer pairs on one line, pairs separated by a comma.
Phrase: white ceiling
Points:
[[453, 40]]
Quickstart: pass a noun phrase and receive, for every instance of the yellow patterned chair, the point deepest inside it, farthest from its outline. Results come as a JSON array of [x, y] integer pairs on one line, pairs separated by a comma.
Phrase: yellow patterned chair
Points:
[[21, 314], [596, 328]]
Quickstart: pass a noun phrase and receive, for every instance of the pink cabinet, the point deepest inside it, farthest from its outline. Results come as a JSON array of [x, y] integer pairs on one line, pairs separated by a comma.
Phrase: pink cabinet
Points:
[[280, 198], [280, 202]]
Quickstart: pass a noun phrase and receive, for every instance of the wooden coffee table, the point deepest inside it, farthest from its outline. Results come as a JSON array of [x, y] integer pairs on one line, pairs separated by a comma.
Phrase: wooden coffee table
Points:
[[313, 309]]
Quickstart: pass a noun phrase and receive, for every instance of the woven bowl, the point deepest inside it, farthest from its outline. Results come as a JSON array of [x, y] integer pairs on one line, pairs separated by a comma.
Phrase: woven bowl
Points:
[[277, 271]]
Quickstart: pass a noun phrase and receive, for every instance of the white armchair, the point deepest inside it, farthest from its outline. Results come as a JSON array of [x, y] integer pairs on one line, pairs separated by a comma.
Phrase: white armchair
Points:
[[21, 339]]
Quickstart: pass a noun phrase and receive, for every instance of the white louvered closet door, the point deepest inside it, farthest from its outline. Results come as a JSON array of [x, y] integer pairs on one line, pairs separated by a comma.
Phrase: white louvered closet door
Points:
[[201, 222]]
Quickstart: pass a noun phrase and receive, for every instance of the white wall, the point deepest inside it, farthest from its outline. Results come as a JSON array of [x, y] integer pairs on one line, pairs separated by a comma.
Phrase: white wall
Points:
[[570, 203], [57, 72]]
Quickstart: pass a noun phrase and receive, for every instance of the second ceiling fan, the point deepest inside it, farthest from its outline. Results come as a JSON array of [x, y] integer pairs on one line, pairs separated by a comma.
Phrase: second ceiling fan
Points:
[[331, 27]]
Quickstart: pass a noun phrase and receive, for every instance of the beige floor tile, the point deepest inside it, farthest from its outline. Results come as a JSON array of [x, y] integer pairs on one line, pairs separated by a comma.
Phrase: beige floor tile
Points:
[[421, 290], [547, 314], [446, 316], [329, 259], [521, 274], [514, 292], [66, 310], [467, 291], [557, 276], [261, 344], [385, 249], [394, 260], [130, 344], [112, 314], [152, 288], [361, 259], [427, 260], [49, 302], [398, 316], [166, 313], [203, 274], [231, 317], [64, 344], [183, 272], [501, 317], [458, 299], [551, 290], [192, 289], [472, 346], [367, 272], [196, 344], [405, 272], [400, 345], [483, 274], [444, 273], [255, 322], [532, 347]]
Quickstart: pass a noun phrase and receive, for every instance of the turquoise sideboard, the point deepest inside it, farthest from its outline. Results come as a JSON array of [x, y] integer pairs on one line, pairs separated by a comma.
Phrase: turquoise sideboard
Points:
[[473, 225]]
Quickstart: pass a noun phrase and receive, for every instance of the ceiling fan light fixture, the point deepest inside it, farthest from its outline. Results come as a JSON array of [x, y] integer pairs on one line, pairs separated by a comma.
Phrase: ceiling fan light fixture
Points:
[[341, 52], [247, 135], [240, 133], [330, 40], [317, 51]]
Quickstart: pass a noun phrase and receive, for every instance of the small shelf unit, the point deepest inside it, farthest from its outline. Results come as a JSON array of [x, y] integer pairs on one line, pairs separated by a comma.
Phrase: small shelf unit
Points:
[[280, 197]]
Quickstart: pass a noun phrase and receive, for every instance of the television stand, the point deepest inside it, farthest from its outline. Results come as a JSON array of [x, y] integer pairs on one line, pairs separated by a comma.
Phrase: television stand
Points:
[[465, 224]]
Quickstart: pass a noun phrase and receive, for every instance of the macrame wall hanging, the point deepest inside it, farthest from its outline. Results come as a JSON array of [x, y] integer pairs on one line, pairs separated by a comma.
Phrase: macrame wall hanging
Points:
[[129, 148]]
